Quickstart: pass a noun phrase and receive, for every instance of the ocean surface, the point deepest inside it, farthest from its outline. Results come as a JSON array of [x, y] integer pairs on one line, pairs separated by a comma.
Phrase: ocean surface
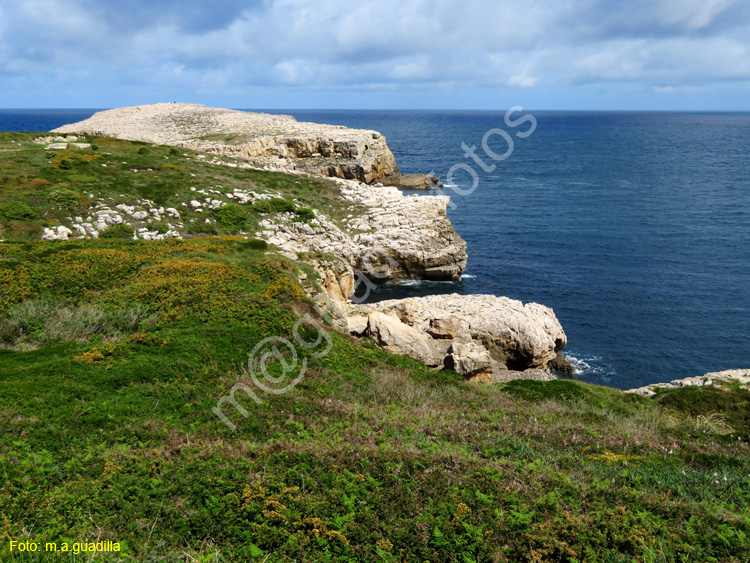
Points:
[[634, 227]]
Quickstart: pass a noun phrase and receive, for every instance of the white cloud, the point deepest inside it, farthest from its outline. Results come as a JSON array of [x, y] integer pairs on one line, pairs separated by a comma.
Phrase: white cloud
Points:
[[378, 45], [523, 81]]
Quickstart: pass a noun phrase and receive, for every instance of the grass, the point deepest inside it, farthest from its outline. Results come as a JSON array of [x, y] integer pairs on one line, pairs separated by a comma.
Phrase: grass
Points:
[[115, 352], [40, 188]]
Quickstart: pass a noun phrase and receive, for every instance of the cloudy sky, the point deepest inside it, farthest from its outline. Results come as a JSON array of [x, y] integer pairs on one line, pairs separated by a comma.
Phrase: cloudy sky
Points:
[[462, 54]]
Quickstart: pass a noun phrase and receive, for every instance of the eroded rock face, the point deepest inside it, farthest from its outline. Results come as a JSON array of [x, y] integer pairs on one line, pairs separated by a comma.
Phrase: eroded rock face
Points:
[[397, 236], [470, 359], [395, 336], [483, 337], [280, 140], [519, 335], [741, 376]]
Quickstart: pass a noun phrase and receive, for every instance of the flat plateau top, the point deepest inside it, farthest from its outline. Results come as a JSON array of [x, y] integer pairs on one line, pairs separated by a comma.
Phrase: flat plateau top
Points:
[[175, 122]]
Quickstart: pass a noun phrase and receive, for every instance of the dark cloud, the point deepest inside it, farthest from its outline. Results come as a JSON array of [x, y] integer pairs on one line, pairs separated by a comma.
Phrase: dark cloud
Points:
[[190, 16], [650, 19]]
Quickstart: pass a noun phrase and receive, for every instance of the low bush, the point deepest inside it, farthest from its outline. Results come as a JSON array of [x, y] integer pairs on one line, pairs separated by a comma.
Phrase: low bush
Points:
[[121, 231], [231, 215], [143, 150], [160, 227], [304, 214], [281, 205], [262, 206], [254, 244], [64, 198], [202, 229], [17, 211]]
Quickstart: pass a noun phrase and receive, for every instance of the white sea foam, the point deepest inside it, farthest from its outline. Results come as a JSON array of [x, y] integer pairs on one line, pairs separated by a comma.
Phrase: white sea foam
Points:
[[580, 365]]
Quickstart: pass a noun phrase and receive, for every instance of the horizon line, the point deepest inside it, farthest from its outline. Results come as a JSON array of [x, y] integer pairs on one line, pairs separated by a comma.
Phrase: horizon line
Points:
[[605, 110]]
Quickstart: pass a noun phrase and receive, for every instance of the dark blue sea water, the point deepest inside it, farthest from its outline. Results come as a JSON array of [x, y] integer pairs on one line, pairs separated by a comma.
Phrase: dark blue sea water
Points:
[[633, 227]]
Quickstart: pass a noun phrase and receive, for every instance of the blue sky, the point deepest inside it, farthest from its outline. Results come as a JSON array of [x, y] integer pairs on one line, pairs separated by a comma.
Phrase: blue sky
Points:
[[410, 54]]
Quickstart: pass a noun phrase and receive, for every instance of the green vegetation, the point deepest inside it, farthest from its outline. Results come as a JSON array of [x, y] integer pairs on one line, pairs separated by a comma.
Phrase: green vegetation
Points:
[[282, 205], [64, 198], [121, 231], [17, 211], [40, 188], [113, 353], [231, 215], [305, 214]]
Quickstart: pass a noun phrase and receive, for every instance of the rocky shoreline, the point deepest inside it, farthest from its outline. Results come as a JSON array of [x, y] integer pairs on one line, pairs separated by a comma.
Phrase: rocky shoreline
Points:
[[396, 237], [716, 378], [483, 337]]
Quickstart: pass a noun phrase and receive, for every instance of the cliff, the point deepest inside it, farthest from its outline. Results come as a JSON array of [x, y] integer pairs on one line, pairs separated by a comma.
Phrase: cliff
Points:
[[389, 236], [277, 142]]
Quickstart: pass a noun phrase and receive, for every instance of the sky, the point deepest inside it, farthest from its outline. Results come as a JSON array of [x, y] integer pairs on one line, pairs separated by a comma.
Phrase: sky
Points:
[[385, 54]]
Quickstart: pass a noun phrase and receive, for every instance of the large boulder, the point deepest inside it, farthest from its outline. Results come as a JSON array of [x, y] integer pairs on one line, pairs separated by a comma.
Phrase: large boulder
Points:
[[393, 335], [517, 336], [470, 359]]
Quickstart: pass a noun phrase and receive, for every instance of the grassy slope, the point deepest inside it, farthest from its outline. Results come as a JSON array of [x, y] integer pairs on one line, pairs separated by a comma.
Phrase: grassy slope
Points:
[[116, 351], [124, 172]]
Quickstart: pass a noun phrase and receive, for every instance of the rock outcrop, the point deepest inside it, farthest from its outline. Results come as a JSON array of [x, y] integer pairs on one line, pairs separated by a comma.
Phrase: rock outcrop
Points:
[[396, 237], [741, 376], [483, 337], [389, 236], [272, 141]]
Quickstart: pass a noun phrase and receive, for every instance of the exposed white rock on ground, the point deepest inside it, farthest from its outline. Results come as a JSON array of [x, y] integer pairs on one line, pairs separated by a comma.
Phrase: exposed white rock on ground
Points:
[[398, 236], [279, 141], [741, 376], [484, 337]]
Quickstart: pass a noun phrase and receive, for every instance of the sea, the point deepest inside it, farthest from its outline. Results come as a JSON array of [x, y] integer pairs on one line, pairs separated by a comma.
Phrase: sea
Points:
[[633, 226]]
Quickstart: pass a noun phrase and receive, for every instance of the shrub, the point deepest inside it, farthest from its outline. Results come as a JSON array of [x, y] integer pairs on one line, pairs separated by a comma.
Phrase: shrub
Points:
[[202, 229], [50, 154], [64, 198], [305, 214], [94, 146], [143, 150], [160, 227], [66, 164], [282, 205], [174, 152], [121, 231], [262, 206], [17, 211], [231, 215], [254, 244]]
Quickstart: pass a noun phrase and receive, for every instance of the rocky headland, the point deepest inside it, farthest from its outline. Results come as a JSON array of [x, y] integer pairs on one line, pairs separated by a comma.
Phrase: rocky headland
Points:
[[273, 142], [393, 236]]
